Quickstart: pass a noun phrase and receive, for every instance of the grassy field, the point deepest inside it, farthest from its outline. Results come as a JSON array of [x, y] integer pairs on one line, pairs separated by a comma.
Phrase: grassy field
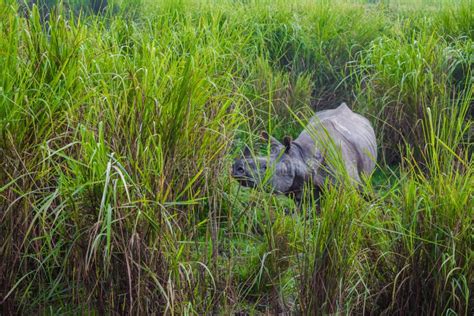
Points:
[[117, 133]]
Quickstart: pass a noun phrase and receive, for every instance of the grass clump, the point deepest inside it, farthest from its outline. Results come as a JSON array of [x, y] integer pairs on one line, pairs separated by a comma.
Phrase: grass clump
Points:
[[117, 132]]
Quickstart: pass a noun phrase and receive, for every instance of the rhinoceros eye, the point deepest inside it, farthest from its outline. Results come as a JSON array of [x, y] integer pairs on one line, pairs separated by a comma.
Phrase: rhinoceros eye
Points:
[[274, 150], [318, 156]]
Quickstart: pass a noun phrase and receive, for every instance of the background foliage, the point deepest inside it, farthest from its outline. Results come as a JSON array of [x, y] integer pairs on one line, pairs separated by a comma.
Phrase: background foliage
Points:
[[117, 131]]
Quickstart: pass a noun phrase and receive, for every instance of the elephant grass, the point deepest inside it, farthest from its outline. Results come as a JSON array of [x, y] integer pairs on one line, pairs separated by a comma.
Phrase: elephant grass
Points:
[[117, 133]]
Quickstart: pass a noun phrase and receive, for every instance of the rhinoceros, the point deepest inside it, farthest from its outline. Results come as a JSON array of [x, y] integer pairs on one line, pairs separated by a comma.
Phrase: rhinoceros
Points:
[[336, 144]]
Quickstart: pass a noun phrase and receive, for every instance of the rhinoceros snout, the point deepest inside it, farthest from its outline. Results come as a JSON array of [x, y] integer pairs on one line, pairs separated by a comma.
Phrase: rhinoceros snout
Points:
[[238, 170]]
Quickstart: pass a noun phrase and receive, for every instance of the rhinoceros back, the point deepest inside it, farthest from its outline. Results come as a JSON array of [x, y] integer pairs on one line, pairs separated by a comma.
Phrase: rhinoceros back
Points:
[[351, 131]]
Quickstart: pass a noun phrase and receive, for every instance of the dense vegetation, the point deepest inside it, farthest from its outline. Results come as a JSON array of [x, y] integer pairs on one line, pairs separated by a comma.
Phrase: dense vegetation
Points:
[[117, 132]]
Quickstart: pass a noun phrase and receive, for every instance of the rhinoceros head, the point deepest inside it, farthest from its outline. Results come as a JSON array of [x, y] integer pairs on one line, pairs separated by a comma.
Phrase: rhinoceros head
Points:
[[279, 171]]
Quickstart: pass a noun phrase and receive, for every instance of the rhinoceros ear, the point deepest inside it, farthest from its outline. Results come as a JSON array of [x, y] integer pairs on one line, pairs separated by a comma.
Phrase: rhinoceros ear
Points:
[[264, 135], [287, 142], [246, 151]]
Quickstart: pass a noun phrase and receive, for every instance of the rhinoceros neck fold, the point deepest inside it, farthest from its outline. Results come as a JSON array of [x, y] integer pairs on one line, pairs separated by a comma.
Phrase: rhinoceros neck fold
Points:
[[298, 150], [301, 168]]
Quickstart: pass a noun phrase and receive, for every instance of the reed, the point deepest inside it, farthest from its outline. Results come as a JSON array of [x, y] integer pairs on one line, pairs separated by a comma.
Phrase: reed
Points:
[[117, 131]]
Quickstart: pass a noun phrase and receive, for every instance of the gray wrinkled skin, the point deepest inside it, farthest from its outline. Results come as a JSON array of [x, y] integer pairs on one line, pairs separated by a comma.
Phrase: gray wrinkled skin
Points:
[[337, 145]]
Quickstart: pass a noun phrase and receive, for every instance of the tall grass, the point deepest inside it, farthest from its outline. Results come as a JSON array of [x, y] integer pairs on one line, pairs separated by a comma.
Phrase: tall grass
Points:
[[117, 132]]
